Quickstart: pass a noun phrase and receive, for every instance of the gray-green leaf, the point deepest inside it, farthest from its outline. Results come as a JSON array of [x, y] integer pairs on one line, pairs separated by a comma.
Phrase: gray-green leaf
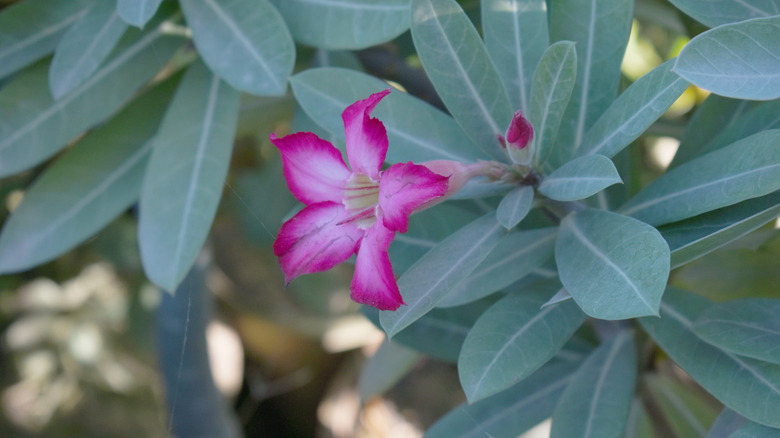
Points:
[[746, 169], [461, 71], [614, 266], [85, 189], [745, 385], [515, 257], [385, 368], [33, 126], [246, 42], [30, 30], [717, 12], [739, 60], [516, 35], [580, 178], [597, 401], [513, 339], [441, 269], [633, 111], [346, 24], [416, 130], [137, 12], [747, 327], [686, 412], [551, 89], [187, 169], [84, 47], [514, 206]]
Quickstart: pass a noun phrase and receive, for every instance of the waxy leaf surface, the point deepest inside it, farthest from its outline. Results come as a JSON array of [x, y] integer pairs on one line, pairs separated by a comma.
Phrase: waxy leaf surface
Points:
[[137, 12], [580, 178], [515, 206]]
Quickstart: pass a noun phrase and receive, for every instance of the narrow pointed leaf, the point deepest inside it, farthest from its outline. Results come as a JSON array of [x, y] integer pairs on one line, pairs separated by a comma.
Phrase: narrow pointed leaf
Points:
[[84, 190], [597, 401], [441, 269], [187, 169], [389, 364], [743, 170], [458, 64], [516, 36], [700, 235], [33, 126], [513, 339], [717, 12], [84, 47], [515, 205], [30, 30], [509, 413], [349, 24], [551, 90], [748, 386], [634, 111], [747, 327], [736, 60], [686, 412], [137, 12], [245, 42], [580, 178], [417, 131], [600, 29], [614, 266], [516, 256]]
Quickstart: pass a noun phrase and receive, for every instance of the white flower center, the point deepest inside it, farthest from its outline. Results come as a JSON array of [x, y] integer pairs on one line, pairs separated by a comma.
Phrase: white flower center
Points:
[[361, 196]]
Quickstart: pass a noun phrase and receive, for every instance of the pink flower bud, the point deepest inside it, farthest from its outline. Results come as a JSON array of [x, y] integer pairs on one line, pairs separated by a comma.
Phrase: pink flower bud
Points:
[[519, 139]]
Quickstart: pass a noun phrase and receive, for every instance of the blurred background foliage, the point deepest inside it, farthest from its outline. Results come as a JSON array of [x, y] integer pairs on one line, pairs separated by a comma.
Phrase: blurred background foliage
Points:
[[78, 333]]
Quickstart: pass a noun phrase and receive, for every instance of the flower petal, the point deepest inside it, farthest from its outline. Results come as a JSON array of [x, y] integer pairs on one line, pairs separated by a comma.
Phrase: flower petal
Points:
[[366, 137], [313, 168], [403, 188], [374, 283], [315, 240]]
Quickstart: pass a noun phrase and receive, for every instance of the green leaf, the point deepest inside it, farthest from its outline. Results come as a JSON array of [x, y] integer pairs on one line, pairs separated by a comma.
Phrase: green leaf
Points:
[[715, 114], [580, 178], [597, 401], [633, 112], [717, 12], [745, 385], [33, 126], [417, 131], [748, 327], [350, 24], [551, 90], [727, 423], [513, 339], [509, 413], [687, 413], [245, 42], [441, 269], [458, 64], [30, 29], [559, 297], [85, 189], [746, 169], [137, 12], [600, 29], [426, 229], [84, 47], [187, 169], [755, 430], [516, 36], [700, 235], [760, 117], [614, 266], [385, 368], [515, 206], [639, 424], [736, 60], [516, 256]]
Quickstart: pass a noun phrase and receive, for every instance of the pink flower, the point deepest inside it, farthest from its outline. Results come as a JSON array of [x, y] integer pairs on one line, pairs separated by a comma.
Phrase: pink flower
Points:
[[519, 136], [358, 210]]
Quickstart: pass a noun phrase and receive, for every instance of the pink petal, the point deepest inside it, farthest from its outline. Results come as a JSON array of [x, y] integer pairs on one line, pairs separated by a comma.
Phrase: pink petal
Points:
[[313, 168], [374, 283], [403, 188], [313, 240], [520, 131], [366, 137]]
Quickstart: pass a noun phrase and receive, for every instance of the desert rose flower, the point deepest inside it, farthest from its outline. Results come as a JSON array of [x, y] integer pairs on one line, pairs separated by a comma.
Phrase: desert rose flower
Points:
[[518, 143]]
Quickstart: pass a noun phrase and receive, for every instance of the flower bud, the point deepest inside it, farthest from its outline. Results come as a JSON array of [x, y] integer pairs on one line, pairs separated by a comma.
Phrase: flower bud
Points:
[[519, 140]]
